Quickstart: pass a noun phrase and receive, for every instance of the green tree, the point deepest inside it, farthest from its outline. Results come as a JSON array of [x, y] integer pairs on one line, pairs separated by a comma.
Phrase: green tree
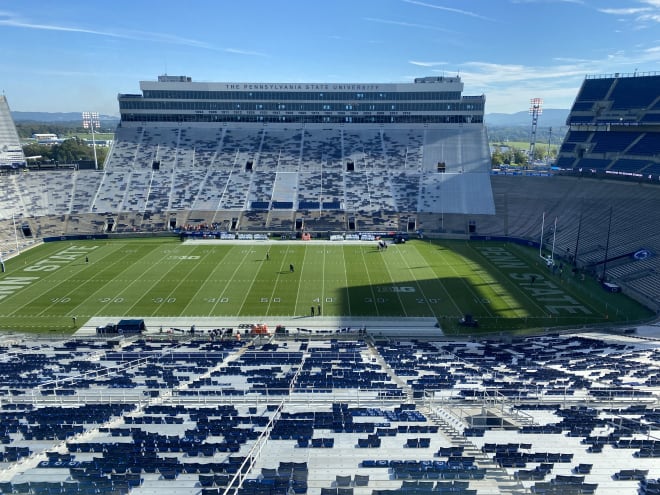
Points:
[[497, 157], [540, 152], [520, 157], [42, 150], [70, 151]]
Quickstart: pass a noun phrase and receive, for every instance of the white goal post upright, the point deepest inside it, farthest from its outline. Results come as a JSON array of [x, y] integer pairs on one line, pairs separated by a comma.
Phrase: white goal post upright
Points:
[[554, 238]]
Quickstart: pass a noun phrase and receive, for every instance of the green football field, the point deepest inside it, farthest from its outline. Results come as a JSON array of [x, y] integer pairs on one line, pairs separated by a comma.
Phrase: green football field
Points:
[[505, 287]]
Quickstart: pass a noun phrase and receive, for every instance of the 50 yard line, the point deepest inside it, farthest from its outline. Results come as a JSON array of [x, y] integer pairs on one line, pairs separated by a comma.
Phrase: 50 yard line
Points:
[[240, 309], [277, 281]]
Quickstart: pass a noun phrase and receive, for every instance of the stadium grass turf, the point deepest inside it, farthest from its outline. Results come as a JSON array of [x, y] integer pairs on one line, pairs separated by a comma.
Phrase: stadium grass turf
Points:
[[504, 286]]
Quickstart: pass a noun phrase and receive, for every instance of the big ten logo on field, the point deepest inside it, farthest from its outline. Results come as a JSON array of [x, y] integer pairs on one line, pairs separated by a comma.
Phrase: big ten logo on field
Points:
[[175, 258]]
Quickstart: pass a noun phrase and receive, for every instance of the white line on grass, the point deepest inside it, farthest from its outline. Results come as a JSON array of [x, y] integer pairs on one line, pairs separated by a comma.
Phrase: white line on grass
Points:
[[154, 265], [389, 273], [466, 284], [277, 280], [451, 299], [240, 309], [348, 299], [371, 286], [47, 279], [300, 282], [203, 283], [414, 277]]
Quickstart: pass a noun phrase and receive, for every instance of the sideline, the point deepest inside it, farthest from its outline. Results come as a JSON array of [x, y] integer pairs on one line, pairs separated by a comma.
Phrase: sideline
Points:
[[425, 327]]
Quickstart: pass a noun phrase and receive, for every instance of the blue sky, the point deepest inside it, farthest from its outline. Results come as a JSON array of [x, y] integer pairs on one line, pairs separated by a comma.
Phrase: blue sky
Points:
[[72, 55]]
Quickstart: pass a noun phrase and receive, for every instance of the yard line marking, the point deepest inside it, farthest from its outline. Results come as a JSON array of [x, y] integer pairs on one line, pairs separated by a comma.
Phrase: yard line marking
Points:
[[277, 280], [413, 276], [129, 281], [451, 299], [67, 280], [467, 285], [229, 282], [371, 286], [48, 278], [348, 299], [295, 308], [398, 295], [206, 254], [146, 292]]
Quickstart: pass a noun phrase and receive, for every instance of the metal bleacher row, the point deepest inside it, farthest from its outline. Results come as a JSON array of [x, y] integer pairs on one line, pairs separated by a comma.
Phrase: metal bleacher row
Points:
[[613, 126], [198, 415], [577, 204], [153, 170], [584, 206]]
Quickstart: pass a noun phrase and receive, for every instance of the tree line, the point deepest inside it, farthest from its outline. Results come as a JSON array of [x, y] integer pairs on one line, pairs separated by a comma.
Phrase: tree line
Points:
[[72, 150], [510, 155], [25, 130]]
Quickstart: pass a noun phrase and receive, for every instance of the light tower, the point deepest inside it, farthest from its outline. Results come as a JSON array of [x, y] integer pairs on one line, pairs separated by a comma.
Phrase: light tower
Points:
[[91, 121], [535, 110]]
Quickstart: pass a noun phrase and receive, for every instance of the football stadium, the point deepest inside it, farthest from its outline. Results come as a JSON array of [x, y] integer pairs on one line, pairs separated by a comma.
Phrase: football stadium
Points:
[[324, 289]]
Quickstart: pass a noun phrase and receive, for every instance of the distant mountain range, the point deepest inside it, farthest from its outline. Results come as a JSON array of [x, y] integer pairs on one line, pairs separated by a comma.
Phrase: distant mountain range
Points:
[[550, 117]]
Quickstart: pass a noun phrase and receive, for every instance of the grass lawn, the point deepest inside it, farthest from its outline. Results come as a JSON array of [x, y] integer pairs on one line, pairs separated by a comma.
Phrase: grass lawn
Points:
[[504, 286]]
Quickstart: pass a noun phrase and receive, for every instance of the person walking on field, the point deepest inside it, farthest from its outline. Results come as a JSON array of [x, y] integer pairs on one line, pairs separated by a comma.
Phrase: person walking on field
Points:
[[291, 268]]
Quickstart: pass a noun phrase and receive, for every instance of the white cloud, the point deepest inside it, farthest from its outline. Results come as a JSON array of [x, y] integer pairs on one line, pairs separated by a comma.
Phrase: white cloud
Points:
[[406, 24], [238, 51], [647, 12], [448, 9], [426, 64], [12, 20], [628, 11], [508, 87], [577, 2]]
